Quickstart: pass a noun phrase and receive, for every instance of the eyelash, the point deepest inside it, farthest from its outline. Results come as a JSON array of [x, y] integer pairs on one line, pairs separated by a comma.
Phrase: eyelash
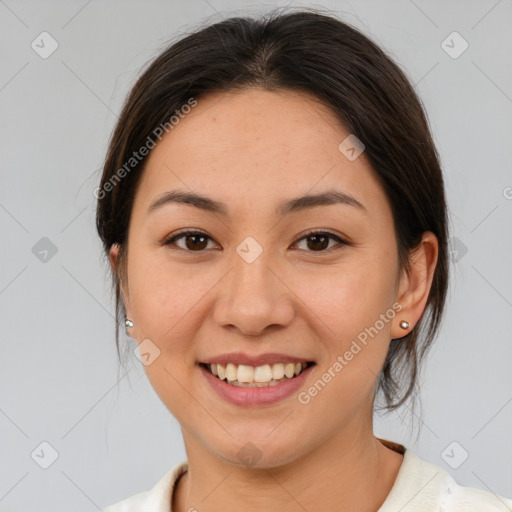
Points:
[[184, 234]]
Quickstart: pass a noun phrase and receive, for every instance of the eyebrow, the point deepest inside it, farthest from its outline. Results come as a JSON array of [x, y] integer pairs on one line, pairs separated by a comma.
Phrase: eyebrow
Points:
[[329, 197]]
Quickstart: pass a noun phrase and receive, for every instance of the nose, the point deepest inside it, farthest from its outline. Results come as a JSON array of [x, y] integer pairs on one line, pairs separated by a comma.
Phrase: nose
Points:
[[254, 297]]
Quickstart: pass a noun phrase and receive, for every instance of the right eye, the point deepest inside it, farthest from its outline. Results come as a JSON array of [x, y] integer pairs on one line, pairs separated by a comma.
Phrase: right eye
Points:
[[195, 241]]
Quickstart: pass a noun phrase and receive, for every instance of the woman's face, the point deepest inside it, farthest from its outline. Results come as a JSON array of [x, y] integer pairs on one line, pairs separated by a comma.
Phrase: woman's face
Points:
[[257, 290]]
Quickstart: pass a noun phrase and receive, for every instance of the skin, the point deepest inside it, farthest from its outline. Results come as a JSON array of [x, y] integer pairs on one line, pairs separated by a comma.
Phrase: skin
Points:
[[252, 150]]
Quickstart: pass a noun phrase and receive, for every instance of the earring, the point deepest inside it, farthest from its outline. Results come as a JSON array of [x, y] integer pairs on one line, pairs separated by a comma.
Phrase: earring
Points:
[[128, 323], [404, 324]]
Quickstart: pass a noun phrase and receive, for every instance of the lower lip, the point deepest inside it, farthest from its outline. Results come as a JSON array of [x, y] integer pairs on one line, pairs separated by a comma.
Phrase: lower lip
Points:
[[253, 397]]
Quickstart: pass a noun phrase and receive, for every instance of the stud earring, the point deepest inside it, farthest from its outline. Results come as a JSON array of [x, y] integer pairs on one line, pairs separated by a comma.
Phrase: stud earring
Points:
[[128, 323], [404, 324]]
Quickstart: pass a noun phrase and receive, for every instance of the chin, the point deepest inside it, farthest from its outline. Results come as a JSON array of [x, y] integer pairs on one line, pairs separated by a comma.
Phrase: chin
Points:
[[258, 453]]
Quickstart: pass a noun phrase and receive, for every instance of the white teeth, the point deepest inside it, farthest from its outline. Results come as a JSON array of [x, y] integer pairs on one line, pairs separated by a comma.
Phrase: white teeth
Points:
[[263, 373], [289, 370], [245, 373], [231, 372], [277, 371], [261, 376]]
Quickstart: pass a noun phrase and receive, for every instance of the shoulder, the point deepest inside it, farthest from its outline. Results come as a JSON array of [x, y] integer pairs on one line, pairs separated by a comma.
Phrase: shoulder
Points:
[[156, 499], [424, 487]]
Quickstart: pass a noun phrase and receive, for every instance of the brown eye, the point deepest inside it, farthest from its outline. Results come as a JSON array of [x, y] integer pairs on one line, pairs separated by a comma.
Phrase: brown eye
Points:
[[318, 241], [195, 241]]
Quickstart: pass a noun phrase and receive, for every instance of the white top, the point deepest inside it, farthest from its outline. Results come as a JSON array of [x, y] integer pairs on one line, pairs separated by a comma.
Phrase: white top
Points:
[[419, 487]]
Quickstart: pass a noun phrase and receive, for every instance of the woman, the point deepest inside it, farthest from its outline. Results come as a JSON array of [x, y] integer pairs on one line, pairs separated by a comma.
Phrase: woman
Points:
[[272, 206]]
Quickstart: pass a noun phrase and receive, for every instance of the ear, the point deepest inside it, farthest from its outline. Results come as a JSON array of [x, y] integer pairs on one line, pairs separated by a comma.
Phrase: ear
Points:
[[114, 263], [415, 284]]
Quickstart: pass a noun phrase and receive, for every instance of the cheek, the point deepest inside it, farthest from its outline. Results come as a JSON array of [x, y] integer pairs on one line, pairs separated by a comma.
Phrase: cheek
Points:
[[167, 300], [167, 307], [351, 303], [354, 303], [349, 297]]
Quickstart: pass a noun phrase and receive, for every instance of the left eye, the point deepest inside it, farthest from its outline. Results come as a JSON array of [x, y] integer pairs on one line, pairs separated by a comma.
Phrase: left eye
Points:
[[196, 241], [320, 240]]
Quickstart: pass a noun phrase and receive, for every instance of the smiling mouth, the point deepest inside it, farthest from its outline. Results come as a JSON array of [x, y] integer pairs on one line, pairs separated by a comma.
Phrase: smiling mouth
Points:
[[256, 377]]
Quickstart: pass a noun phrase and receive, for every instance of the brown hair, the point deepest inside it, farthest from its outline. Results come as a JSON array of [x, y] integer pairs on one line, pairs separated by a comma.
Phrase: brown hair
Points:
[[316, 53]]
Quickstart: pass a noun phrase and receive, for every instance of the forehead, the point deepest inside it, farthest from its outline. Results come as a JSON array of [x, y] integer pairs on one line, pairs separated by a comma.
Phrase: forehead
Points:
[[254, 146]]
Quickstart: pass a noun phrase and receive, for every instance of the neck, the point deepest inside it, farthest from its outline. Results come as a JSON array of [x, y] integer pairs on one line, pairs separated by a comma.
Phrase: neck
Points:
[[359, 477]]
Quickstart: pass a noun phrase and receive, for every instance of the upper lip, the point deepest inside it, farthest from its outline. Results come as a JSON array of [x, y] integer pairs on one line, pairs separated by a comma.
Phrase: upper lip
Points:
[[259, 360]]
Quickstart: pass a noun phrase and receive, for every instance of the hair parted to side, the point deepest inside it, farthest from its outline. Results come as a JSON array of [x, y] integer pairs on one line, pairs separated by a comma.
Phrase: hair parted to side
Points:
[[316, 53]]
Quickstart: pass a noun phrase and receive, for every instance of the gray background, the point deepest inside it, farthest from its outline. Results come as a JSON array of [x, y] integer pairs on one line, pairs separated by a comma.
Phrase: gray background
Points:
[[59, 372]]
